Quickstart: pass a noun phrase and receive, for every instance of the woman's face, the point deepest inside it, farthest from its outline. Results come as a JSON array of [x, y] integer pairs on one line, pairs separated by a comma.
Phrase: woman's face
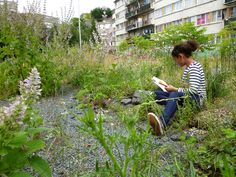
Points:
[[180, 60]]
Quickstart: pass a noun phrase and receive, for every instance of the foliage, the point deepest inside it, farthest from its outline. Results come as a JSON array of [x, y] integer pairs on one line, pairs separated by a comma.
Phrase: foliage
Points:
[[88, 28], [21, 45], [114, 82], [99, 13], [123, 46], [20, 128], [216, 85], [17, 37], [218, 154], [139, 42], [176, 34], [135, 144], [227, 47]]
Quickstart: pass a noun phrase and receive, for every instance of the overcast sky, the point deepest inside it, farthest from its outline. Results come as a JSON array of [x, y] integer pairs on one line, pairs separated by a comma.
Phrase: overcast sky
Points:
[[54, 6]]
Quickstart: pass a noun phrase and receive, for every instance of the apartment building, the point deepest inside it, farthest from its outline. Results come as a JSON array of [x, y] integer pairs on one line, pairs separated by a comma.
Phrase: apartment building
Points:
[[10, 5], [106, 30], [211, 14], [120, 20], [139, 16]]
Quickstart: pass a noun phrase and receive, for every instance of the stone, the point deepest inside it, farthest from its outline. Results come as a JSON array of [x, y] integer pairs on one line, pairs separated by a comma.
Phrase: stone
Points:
[[176, 136], [136, 100], [137, 94], [126, 101]]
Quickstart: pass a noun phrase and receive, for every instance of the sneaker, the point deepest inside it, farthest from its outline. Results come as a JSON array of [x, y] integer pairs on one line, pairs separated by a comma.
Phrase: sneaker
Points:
[[155, 123]]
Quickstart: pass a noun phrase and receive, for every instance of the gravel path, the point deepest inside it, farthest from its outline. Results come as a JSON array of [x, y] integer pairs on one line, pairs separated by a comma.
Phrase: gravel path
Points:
[[73, 153]]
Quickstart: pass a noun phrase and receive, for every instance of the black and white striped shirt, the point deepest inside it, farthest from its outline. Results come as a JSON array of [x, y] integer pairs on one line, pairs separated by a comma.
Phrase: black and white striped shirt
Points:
[[194, 77]]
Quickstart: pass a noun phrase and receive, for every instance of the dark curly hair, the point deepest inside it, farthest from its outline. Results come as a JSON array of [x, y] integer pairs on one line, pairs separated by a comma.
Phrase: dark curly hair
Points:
[[186, 48]]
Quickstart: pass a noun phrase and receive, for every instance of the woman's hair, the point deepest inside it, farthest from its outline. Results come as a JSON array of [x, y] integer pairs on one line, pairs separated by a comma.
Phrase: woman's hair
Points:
[[186, 48]]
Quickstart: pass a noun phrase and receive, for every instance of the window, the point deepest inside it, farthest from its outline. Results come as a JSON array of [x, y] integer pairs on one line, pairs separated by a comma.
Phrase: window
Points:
[[167, 9], [201, 19], [219, 15], [190, 3], [177, 22], [234, 12], [159, 28], [158, 12], [202, 1], [209, 17], [177, 6]]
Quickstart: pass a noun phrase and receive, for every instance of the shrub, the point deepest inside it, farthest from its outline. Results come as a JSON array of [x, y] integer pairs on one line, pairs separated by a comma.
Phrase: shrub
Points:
[[20, 132], [175, 34], [21, 47], [217, 155]]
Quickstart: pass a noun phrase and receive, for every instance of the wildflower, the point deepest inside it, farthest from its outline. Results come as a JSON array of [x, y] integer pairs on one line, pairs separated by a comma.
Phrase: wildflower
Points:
[[30, 87], [30, 91]]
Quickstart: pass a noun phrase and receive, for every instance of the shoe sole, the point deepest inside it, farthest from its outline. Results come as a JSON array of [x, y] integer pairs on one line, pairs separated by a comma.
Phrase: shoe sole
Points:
[[155, 124]]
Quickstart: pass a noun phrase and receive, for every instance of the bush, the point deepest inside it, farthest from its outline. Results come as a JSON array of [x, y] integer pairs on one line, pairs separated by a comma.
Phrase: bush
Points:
[[12, 71], [114, 82], [21, 47], [217, 156], [176, 34], [20, 128]]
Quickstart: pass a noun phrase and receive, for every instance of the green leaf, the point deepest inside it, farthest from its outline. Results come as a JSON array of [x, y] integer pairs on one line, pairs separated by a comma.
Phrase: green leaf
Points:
[[21, 174], [3, 151], [34, 131], [18, 140], [40, 166], [15, 159], [34, 145]]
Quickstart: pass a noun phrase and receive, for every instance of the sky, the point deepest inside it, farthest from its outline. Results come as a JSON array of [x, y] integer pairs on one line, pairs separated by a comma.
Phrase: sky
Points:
[[54, 7]]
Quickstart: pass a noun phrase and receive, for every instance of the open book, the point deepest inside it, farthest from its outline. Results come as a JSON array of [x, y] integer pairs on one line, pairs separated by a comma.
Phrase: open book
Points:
[[160, 83]]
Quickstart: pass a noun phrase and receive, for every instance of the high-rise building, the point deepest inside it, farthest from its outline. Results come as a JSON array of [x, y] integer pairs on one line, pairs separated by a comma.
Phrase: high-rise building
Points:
[[120, 21], [211, 14], [140, 17]]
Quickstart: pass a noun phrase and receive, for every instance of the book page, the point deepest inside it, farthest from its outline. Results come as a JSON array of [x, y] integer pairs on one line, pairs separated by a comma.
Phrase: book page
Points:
[[160, 83]]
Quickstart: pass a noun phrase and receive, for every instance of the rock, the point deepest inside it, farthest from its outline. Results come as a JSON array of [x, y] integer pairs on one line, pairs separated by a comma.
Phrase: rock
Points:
[[136, 100], [137, 94], [176, 136], [126, 101]]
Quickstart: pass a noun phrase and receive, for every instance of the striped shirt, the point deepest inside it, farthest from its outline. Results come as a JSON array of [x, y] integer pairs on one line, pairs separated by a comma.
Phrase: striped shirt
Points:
[[194, 80]]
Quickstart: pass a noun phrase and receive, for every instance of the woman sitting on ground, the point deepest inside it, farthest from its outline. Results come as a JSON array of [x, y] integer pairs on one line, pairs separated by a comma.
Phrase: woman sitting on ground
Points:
[[193, 76]]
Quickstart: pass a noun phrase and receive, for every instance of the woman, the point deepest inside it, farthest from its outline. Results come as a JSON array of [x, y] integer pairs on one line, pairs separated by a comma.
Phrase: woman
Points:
[[193, 76]]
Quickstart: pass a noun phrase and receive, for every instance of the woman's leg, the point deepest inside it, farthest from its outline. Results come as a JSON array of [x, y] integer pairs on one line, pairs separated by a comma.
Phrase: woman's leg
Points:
[[160, 95], [171, 106]]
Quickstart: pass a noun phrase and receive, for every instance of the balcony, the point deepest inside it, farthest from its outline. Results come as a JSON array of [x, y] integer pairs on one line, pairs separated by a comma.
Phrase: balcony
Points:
[[131, 2], [138, 25], [229, 2], [139, 11], [229, 20]]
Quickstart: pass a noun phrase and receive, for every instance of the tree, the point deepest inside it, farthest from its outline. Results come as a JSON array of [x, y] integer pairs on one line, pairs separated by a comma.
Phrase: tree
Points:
[[175, 34], [88, 27], [99, 12]]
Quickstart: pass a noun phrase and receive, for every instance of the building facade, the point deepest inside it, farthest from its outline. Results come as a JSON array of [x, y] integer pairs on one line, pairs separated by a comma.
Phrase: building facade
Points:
[[211, 14], [106, 30], [10, 5], [120, 21], [140, 17]]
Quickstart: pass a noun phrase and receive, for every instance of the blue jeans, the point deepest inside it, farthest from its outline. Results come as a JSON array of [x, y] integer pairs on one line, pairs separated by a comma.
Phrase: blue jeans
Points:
[[171, 106]]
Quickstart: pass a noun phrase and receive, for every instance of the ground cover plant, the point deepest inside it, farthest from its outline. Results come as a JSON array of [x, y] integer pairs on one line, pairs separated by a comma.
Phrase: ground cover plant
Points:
[[101, 80]]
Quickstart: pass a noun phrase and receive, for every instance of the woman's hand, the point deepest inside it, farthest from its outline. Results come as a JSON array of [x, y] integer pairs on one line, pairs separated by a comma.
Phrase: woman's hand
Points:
[[171, 88]]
